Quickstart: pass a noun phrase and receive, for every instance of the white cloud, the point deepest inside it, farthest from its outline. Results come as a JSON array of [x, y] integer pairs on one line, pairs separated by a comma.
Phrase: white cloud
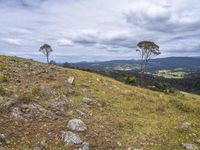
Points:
[[64, 42], [12, 41]]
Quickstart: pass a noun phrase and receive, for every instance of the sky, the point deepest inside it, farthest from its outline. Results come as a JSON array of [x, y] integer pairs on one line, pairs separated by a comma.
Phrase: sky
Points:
[[98, 30]]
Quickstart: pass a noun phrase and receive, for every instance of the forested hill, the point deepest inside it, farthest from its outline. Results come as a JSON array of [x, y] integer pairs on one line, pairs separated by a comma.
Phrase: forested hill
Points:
[[189, 63]]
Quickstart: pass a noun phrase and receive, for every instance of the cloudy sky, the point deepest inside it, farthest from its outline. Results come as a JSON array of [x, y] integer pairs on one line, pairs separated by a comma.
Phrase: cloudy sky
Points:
[[90, 30]]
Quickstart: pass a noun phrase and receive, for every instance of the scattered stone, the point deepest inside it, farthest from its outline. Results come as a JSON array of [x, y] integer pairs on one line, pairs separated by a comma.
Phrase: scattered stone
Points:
[[189, 146], [81, 113], [69, 103], [76, 125], [186, 126], [71, 138], [84, 146], [2, 138], [30, 111], [16, 114], [70, 80], [119, 143], [60, 105], [88, 101]]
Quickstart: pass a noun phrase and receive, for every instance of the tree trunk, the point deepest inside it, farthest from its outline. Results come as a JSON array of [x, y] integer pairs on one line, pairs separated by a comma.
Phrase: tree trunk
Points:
[[142, 74], [47, 59]]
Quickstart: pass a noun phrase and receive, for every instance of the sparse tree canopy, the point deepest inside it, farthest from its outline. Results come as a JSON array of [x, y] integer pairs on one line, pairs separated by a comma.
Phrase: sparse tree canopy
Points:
[[46, 50], [147, 50]]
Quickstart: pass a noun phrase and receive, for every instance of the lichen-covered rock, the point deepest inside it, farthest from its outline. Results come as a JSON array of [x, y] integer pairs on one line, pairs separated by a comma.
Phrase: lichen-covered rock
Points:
[[189, 146], [71, 138], [76, 125]]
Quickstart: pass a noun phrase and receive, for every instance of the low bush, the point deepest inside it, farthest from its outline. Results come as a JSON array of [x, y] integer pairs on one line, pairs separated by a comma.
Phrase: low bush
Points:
[[130, 80]]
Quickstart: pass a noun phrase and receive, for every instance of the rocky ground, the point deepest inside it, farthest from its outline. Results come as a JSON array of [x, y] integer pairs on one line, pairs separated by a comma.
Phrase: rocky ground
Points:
[[49, 107]]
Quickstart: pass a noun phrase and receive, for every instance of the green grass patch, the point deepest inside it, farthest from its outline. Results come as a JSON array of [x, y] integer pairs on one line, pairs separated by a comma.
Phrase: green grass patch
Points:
[[3, 78]]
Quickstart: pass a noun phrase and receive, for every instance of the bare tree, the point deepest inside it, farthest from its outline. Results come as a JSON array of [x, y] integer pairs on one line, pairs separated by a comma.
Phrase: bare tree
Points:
[[46, 50], [147, 50]]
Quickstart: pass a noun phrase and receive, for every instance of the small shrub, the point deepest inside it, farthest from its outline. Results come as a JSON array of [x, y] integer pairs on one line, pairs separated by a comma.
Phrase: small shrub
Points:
[[130, 80], [25, 108], [52, 62]]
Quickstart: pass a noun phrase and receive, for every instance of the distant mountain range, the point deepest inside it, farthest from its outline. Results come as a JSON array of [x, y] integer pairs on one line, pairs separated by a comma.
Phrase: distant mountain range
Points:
[[171, 63]]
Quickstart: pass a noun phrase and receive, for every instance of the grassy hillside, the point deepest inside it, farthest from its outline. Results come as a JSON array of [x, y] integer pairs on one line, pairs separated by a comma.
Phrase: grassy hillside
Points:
[[120, 117]]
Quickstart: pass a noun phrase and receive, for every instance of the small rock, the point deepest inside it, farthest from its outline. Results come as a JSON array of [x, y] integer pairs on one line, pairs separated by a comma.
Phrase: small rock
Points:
[[198, 141], [71, 138], [84, 146], [185, 125], [189, 146], [119, 144], [70, 80], [2, 138], [44, 144], [88, 101], [16, 113], [81, 113], [76, 125]]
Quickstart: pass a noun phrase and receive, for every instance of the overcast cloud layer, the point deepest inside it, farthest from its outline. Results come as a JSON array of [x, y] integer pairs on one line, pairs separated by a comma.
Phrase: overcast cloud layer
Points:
[[88, 30]]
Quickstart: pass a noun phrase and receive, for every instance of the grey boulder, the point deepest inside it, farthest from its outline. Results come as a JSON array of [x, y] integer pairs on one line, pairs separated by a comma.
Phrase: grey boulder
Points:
[[71, 138], [76, 125]]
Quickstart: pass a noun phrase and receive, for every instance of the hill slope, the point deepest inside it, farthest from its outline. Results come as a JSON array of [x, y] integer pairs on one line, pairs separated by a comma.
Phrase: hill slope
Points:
[[37, 101]]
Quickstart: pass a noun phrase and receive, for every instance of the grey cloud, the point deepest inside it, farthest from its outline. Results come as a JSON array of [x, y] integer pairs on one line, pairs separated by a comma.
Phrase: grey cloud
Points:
[[106, 42], [78, 27], [164, 21]]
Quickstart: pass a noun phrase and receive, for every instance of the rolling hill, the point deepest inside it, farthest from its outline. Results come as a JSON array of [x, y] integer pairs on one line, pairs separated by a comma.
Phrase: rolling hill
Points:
[[50, 107], [170, 63]]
